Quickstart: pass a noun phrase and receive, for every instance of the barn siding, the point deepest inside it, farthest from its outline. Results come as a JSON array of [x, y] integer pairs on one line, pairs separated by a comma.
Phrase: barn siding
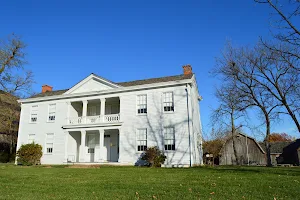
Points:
[[256, 156]]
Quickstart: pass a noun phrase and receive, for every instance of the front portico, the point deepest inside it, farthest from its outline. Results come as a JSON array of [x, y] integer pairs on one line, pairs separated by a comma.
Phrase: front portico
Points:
[[90, 145]]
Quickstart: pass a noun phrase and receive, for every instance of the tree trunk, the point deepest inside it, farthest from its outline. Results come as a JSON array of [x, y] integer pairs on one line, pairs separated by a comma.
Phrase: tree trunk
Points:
[[233, 142], [287, 106], [267, 143], [12, 144], [10, 133], [293, 116]]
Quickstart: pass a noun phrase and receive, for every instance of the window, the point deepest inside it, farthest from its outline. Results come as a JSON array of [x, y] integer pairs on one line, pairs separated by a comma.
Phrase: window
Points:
[[51, 112], [168, 102], [49, 143], [141, 139], [91, 150], [91, 143], [31, 138], [142, 104], [49, 147], [169, 138], [34, 114]]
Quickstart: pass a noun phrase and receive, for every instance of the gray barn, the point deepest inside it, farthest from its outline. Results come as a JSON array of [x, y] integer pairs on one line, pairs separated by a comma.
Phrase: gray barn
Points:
[[248, 151]]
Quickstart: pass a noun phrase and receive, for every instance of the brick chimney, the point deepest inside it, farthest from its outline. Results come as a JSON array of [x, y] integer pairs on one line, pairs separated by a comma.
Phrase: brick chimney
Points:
[[187, 69], [46, 88]]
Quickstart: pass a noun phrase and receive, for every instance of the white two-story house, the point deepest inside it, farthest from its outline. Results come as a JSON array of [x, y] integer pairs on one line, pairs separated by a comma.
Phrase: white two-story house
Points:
[[99, 121]]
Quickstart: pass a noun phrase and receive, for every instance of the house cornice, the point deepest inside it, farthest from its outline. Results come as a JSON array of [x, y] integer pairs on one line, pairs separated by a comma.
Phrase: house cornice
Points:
[[91, 76], [109, 91]]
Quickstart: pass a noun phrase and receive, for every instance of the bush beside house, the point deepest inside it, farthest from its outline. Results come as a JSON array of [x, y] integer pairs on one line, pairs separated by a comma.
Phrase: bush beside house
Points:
[[30, 154], [154, 157]]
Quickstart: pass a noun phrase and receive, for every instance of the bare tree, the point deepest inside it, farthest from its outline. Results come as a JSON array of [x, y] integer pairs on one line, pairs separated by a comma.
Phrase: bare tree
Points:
[[11, 53], [284, 19], [14, 79], [278, 74], [9, 117], [226, 115], [239, 66], [281, 75]]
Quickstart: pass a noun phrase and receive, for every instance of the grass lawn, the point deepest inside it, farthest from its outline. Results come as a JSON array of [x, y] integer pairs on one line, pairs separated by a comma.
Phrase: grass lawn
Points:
[[105, 182]]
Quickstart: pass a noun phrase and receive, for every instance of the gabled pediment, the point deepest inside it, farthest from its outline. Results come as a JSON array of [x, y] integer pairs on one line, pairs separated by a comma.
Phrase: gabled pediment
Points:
[[92, 83]]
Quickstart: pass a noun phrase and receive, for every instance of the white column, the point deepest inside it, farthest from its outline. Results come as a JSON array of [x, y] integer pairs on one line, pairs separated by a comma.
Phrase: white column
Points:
[[69, 111], [82, 147], [84, 110], [119, 110], [102, 110], [100, 107], [66, 145], [119, 143], [101, 144]]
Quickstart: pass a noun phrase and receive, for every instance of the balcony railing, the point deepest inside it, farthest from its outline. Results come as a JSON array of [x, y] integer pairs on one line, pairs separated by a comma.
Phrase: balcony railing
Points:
[[112, 118]]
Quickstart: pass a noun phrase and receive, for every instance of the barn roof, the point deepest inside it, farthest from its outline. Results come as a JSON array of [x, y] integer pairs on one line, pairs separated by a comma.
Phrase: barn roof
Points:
[[244, 135], [251, 138], [276, 147]]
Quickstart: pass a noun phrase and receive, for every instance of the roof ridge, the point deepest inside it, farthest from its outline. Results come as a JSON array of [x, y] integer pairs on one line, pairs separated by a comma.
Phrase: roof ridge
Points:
[[104, 78], [125, 84], [178, 75]]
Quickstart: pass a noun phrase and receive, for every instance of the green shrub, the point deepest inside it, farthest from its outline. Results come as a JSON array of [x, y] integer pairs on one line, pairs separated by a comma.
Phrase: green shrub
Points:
[[154, 157], [4, 157], [29, 154], [12, 158]]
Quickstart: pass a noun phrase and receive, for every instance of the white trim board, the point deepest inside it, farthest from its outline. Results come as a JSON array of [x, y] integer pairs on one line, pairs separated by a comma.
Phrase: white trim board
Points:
[[110, 91], [91, 77]]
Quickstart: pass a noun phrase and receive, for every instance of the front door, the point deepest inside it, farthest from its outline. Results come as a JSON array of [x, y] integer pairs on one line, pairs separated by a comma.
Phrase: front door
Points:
[[91, 143], [106, 149]]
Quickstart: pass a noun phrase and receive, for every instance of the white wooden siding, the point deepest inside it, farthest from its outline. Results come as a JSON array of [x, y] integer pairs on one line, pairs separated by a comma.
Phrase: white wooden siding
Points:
[[154, 121]]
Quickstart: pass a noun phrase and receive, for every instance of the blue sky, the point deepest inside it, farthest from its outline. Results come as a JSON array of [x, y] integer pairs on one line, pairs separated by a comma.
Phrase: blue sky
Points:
[[129, 40]]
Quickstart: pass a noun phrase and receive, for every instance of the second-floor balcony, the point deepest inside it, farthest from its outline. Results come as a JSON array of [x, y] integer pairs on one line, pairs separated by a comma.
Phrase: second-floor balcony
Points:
[[94, 111], [111, 118]]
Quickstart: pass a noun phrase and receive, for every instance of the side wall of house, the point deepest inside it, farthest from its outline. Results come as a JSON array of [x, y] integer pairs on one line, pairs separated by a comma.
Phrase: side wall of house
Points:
[[256, 156], [42, 127], [154, 122], [197, 127]]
